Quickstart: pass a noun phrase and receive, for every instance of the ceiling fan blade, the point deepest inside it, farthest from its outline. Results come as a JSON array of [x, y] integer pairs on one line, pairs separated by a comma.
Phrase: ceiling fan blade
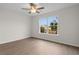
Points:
[[37, 12], [32, 4], [29, 12], [40, 8], [26, 8]]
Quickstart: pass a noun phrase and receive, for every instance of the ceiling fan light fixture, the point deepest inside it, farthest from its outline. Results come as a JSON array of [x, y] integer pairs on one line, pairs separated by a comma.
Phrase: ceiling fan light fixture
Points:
[[33, 10]]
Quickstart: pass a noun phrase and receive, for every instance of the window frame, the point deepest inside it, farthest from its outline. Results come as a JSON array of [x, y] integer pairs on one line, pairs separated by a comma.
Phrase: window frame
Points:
[[48, 26]]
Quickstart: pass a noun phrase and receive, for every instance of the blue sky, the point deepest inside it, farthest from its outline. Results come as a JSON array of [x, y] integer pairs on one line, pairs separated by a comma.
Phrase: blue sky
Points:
[[48, 20], [42, 21]]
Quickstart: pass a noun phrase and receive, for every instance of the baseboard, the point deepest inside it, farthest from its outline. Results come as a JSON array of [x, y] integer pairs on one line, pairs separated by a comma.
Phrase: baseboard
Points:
[[14, 40], [41, 39], [56, 42]]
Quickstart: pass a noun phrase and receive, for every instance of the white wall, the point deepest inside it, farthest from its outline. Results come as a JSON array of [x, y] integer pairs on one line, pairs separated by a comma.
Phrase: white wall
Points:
[[14, 25], [68, 26]]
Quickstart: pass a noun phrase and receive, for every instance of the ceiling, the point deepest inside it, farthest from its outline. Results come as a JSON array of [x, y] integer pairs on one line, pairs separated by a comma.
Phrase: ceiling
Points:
[[48, 6]]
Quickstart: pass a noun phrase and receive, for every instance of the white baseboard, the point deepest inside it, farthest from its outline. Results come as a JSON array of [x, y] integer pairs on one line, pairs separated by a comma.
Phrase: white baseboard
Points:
[[3, 42]]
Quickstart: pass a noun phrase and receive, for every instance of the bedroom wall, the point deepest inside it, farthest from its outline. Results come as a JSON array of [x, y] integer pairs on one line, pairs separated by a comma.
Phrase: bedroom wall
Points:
[[68, 29], [14, 25]]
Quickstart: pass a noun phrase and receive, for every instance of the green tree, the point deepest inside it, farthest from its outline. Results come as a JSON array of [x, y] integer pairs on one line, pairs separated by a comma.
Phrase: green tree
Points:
[[51, 25], [42, 29]]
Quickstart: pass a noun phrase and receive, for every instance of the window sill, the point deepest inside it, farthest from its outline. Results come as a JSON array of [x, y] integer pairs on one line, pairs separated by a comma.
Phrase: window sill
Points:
[[49, 34]]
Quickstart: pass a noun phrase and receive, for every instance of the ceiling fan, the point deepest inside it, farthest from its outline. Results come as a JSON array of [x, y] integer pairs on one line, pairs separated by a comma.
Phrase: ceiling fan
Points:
[[33, 8]]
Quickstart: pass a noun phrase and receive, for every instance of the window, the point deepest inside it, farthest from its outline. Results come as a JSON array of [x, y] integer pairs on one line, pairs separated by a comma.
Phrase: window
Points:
[[48, 25]]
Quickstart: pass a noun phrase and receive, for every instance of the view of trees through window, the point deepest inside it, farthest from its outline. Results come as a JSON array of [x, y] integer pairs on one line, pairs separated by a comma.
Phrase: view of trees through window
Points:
[[48, 25]]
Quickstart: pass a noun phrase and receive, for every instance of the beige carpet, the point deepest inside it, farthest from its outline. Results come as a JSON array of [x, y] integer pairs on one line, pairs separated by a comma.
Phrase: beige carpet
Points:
[[36, 46]]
